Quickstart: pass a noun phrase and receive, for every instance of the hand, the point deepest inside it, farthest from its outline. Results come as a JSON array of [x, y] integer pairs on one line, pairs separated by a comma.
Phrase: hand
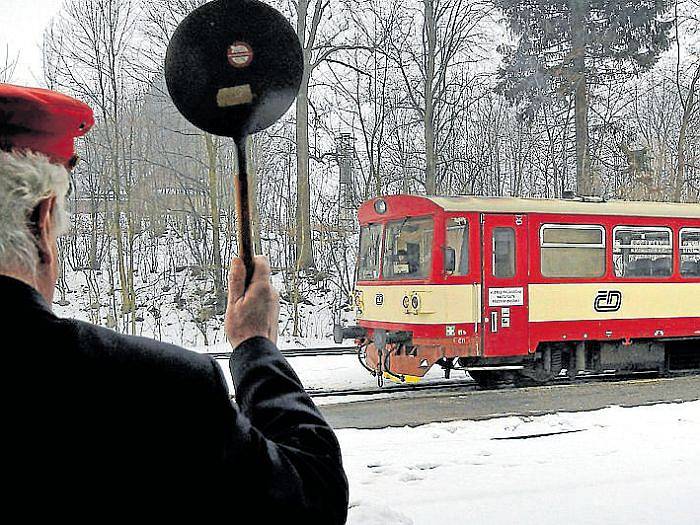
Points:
[[255, 314]]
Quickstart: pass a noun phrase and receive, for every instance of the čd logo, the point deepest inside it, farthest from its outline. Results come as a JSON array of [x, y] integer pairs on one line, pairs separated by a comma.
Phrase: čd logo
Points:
[[608, 301]]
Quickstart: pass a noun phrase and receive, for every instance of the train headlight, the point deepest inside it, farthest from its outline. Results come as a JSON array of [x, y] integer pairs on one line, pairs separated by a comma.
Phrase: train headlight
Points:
[[358, 299], [415, 302], [411, 303], [380, 206], [359, 303]]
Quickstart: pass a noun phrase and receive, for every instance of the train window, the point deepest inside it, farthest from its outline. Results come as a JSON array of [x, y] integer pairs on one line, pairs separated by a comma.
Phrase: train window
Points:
[[457, 239], [572, 250], [503, 252], [370, 246], [408, 250], [690, 252], [642, 252]]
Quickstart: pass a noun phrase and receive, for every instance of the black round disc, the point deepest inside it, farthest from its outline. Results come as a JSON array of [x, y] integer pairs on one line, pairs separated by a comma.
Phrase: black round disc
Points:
[[234, 67]]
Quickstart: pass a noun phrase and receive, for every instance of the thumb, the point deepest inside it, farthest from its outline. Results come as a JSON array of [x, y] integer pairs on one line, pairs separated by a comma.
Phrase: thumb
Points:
[[236, 281]]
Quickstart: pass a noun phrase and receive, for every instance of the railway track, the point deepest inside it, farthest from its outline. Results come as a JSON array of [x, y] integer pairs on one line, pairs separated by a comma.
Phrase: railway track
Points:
[[302, 352], [463, 385], [469, 385], [390, 389]]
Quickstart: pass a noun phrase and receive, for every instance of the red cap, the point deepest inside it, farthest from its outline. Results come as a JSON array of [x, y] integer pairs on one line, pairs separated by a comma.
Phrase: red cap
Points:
[[42, 121]]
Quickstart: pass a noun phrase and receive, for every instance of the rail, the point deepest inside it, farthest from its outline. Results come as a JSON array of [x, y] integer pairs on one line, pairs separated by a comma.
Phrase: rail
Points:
[[468, 385], [401, 387], [301, 352]]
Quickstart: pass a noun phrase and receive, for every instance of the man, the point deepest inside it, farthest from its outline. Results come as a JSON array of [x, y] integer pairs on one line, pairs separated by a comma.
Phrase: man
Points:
[[409, 266], [95, 422]]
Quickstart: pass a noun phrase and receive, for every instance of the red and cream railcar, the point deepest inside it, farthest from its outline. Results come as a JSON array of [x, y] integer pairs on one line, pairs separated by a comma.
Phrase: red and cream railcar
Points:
[[528, 286]]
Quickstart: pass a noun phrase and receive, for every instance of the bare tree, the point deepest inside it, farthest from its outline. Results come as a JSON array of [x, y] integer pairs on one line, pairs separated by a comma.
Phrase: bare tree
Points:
[[687, 83], [365, 78], [319, 41], [88, 51], [8, 65], [449, 31]]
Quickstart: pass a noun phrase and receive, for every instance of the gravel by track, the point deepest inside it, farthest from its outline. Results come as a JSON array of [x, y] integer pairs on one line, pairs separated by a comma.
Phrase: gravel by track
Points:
[[469, 402]]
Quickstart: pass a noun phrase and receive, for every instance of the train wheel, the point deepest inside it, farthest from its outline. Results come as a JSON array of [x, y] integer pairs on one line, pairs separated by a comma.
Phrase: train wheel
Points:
[[534, 376], [542, 371], [491, 378]]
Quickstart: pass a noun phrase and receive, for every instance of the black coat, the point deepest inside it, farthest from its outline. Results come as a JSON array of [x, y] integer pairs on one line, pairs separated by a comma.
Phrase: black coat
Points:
[[94, 419]]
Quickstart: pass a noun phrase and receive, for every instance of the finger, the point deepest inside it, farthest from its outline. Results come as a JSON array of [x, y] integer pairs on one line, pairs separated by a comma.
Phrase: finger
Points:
[[260, 292], [275, 320], [236, 281], [274, 314], [262, 270]]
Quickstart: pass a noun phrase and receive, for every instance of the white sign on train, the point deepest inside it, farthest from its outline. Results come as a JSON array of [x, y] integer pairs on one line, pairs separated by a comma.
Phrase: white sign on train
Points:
[[506, 297]]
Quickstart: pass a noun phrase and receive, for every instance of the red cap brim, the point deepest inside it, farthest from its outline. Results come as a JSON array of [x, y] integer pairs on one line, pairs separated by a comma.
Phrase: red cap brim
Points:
[[42, 121]]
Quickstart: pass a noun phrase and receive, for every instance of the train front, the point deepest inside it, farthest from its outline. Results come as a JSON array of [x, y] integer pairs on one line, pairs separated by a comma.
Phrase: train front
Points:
[[416, 302]]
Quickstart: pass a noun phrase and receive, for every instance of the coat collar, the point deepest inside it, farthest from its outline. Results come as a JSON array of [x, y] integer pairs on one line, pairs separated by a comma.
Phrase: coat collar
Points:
[[18, 296]]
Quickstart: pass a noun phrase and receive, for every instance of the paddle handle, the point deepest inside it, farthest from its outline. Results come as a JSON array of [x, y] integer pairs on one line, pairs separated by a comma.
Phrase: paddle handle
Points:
[[246, 249]]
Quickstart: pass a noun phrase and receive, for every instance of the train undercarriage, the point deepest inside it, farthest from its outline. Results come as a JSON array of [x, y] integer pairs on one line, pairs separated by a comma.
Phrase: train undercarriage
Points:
[[550, 361]]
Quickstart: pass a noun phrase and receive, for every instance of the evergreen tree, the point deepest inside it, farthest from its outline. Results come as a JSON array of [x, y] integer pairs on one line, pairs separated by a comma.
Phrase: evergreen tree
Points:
[[567, 46]]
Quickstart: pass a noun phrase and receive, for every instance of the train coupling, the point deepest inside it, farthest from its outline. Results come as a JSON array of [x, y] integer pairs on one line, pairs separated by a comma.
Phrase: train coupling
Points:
[[341, 333], [382, 338]]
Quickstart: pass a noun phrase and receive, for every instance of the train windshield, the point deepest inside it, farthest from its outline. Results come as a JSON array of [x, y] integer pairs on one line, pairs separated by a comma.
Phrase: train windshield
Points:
[[370, 246], [408, 249]]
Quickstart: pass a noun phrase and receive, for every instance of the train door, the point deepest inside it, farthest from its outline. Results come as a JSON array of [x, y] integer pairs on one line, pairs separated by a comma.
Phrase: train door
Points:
[[504, 277]]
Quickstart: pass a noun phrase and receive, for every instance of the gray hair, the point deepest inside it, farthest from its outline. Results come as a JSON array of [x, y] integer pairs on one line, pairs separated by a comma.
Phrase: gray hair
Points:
[[25, 180]]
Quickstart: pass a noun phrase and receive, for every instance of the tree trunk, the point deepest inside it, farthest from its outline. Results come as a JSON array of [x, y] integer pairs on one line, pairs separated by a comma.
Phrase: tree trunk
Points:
[[430, 31], [304, 248], [127, 307], [688, 107], [584, 179], [680, 166], [93, 264], [214, 210], [254, 190]]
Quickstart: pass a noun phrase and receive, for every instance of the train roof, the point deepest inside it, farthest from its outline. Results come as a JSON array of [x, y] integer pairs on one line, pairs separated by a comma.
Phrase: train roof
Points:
[[567, 206]]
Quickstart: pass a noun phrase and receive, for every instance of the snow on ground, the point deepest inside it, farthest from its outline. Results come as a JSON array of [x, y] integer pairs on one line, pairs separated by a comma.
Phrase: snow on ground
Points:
[[327, 372], [338, 371], [615, 466], [618, 466], [175, 300], [176, 309]]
